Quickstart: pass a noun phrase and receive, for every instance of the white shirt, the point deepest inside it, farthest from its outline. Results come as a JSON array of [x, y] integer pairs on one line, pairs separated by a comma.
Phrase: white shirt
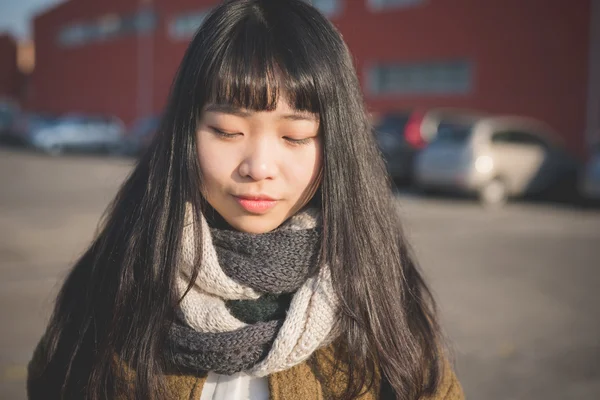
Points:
[[239, 386]]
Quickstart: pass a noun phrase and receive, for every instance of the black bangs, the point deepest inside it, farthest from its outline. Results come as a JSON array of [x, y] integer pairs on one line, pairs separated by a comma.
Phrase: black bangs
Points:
[[252, 69]]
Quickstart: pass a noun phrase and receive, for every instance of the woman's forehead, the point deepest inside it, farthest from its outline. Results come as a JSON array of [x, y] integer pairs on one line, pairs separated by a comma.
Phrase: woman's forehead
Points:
[[261, 90]]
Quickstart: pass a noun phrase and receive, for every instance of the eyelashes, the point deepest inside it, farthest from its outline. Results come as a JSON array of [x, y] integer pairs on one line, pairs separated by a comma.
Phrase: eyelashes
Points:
[[298, 142], [232, 135], [224, 134]]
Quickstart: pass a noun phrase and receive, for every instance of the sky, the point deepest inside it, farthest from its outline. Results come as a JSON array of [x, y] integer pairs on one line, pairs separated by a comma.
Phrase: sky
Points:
[[15, 15]]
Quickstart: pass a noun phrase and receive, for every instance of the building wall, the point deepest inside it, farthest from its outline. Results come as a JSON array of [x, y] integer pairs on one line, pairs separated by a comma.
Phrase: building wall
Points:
[[529, 57], [526, 57], [169, 49], [100, 77], [10, 77], [593, 106]]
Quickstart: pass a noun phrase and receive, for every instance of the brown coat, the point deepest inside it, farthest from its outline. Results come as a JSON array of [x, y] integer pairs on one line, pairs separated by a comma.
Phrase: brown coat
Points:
[[301, 383], [311, 380]]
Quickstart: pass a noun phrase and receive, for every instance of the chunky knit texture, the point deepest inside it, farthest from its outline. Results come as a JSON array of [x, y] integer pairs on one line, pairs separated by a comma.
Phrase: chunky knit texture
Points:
[[242, 267], [274, 262], [223, 352]]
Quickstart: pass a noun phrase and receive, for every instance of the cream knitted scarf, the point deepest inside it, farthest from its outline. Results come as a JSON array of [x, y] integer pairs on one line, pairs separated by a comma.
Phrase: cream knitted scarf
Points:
[[236, 266]]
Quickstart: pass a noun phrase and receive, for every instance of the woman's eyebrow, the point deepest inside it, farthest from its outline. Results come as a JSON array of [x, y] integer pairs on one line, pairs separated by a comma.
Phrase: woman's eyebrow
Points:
[[227, 109]]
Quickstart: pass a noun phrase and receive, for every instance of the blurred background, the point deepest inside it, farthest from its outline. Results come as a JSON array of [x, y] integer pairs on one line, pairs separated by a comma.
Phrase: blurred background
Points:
[[488, 115]]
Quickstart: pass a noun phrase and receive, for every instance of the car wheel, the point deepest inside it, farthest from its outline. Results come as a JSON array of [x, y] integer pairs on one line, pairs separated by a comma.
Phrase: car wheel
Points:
[[494, 194], [54, 150]]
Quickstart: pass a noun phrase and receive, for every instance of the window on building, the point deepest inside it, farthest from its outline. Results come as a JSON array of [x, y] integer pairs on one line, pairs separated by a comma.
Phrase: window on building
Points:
[[76, 35], [106, 28], [142, 22], [184, 26], [329, 8], [378, 5], [518, 138], [426, 78]]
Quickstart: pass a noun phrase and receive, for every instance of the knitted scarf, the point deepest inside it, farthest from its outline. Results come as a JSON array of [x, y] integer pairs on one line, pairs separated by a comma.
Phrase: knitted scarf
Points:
[[259, 304]]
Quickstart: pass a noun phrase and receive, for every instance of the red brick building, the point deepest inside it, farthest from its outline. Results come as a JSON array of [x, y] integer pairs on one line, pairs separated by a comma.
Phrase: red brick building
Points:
[[10, 77], [529, 57]]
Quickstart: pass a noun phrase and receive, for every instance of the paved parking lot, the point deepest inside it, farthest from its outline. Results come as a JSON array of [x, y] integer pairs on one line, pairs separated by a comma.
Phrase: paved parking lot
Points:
[[517, 288]]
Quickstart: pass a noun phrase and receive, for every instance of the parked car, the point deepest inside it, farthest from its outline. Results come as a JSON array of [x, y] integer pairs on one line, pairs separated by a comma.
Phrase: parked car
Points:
[[139, 137], [80, 133], [431, 120], [495, 158], [402, 135], [397, 150], [8, 113], [590, 183], [26, 125]]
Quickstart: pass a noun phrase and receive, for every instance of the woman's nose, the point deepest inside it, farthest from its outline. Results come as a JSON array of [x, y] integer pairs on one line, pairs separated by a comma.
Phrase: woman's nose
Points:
[[260, 162]]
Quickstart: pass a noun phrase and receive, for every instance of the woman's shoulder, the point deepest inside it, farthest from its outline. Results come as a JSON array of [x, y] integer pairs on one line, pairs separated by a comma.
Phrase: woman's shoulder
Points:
[[177, 384], [35, 369], [449, 387], [333, 370]]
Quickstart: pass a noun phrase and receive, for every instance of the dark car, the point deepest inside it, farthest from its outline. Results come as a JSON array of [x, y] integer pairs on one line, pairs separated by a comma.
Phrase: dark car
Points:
[[590, 180], [139, 137], [8, 114], [399, 138], [28, 125]]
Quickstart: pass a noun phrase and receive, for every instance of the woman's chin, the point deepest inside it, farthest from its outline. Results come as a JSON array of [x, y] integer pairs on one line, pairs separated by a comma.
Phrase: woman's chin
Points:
[[256, 224]]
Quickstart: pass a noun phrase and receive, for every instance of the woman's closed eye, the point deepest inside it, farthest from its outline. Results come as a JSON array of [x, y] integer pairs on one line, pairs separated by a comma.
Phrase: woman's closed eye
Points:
[[298, 141], [294, 141], [224, 134]]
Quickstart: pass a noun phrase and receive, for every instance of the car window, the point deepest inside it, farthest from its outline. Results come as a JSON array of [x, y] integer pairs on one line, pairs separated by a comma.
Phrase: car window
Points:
[[518, 138], [448, 132], [40, 121], [74, 121]]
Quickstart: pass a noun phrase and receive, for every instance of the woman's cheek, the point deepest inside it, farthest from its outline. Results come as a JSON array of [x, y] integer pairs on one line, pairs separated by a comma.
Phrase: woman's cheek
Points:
[[306, 166]]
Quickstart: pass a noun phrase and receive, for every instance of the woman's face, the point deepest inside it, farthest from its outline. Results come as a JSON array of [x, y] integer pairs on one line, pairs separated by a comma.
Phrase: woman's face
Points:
[[259, 167]]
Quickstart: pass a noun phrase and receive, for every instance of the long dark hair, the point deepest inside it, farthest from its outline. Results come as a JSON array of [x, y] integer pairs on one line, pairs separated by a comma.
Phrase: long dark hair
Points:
[[120, 297]]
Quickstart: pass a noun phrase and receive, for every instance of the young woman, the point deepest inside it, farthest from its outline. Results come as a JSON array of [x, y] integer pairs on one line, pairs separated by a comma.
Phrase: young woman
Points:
[[255, 251]]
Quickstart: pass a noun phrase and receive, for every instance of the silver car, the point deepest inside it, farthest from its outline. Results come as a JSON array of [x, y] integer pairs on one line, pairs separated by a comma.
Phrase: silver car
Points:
[[495, 158], [80, 133], [402, 135]]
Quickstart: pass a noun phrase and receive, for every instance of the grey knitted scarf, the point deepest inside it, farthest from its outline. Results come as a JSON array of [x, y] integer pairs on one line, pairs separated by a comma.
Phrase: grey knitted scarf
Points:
[[272, 267]]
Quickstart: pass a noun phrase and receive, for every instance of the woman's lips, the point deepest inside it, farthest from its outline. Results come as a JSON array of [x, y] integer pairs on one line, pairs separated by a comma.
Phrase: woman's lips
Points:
[[256, 204]]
